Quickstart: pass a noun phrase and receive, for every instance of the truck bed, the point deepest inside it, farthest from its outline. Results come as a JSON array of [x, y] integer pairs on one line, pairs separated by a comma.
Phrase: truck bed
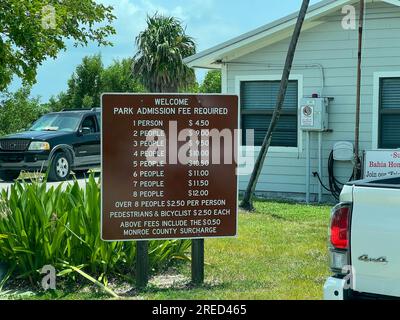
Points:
[[375, 236], [392, 183]]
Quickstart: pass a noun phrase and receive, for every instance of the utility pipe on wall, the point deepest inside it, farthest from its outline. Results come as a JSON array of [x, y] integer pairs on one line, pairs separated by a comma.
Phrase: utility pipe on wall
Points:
[[308, 167], [320, 165], [357, 164]]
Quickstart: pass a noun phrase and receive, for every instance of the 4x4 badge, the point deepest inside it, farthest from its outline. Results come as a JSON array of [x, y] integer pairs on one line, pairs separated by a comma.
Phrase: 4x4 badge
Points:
[[366, 258]]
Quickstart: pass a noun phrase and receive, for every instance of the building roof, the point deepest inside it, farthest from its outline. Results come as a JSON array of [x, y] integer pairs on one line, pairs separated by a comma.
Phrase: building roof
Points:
[[267, 34]]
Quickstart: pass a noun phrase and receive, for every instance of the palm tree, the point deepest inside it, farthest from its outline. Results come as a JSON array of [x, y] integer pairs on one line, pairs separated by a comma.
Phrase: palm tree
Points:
[[159, 65], [161, 50]]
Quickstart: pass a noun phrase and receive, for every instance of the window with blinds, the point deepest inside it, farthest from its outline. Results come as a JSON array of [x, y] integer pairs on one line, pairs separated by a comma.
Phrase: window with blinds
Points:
[[389, 113], [258, 99]]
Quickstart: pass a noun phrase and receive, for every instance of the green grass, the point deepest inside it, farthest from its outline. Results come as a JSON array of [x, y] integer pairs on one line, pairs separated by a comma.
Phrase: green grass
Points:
[[280, 254]]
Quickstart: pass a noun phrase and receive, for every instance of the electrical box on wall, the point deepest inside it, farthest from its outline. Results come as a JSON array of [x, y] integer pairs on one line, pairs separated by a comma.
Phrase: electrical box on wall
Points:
[[314, 114], [343, 151]]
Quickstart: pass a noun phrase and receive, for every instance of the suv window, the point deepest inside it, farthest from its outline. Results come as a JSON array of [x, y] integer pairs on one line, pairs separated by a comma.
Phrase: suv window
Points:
[[90, 123], [57, 122], [98, 117]]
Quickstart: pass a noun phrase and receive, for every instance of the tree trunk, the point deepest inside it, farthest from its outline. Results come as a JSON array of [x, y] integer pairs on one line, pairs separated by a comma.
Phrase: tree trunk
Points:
[[247, 203]]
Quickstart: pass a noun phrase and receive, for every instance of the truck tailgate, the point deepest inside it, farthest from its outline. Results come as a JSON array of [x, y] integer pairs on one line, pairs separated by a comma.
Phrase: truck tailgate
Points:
[[375, 240]]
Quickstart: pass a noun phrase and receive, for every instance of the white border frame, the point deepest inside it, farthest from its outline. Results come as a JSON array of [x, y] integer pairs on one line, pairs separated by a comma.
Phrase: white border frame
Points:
[[274, 77], [375, 104], [101, 168]]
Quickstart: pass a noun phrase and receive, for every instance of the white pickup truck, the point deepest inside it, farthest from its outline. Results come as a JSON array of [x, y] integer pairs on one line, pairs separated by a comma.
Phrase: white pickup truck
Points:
[[364, 241]]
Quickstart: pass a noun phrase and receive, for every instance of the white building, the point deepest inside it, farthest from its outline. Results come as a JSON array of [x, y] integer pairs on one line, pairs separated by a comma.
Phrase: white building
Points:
[[325, 63]]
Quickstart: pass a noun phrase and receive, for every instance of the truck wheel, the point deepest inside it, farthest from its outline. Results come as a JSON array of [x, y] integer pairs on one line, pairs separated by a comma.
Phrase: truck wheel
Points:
[[60, 167], [9, 175]]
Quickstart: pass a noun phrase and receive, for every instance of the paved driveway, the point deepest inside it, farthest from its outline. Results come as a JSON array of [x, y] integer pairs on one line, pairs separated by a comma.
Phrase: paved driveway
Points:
[[6, 185]]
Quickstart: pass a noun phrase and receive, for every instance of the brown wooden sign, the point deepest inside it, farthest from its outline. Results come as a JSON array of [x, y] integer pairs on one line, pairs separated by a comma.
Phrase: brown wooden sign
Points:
[[169, 166]]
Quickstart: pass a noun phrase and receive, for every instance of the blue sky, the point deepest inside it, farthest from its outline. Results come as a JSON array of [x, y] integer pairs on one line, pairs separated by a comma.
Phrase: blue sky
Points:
[[209, 22]]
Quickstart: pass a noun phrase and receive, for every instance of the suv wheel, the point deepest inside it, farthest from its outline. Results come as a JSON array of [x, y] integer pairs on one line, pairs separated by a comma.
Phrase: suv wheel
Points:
[[9, 175], [60, 168]]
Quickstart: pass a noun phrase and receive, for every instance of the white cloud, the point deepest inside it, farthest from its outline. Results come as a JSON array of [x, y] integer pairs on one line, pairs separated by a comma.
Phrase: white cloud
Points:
[[203, 21]]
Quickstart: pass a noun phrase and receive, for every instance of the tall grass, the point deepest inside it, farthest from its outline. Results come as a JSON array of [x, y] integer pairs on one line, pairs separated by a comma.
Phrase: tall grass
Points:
[[59, 227]]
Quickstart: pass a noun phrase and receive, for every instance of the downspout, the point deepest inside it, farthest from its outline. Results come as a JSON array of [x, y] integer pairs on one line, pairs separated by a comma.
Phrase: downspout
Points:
[[357, 162]]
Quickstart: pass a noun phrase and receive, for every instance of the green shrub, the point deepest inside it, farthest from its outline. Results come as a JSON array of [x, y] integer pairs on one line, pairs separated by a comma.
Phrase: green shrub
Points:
[[41, 227]]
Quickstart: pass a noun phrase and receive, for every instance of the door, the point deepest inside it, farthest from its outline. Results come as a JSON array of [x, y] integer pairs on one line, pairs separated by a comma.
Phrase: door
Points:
[[87, 151]]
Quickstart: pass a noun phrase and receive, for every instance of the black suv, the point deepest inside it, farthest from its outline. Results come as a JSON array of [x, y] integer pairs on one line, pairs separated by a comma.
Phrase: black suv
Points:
[[59, 141]]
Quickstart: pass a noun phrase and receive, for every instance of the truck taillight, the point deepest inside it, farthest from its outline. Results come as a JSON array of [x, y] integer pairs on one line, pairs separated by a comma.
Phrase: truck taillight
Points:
[[340, 226]]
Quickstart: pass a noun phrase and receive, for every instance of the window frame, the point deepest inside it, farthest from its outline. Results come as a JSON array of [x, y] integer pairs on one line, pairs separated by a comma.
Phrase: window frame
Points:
[[377, 112], [94, 121], [276, 77]]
